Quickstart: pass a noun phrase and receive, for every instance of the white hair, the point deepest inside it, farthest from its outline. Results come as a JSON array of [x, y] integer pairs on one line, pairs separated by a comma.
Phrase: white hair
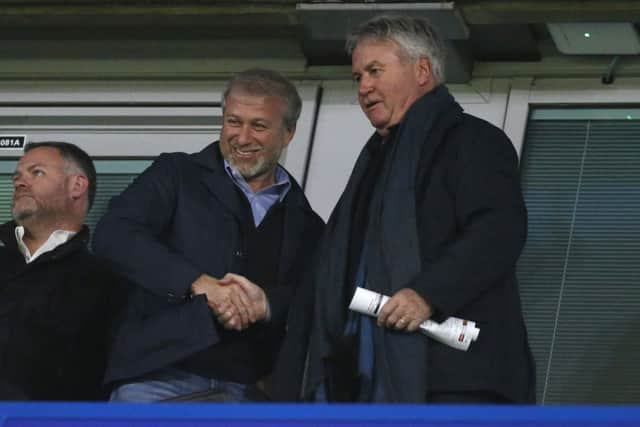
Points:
[[415, 37]]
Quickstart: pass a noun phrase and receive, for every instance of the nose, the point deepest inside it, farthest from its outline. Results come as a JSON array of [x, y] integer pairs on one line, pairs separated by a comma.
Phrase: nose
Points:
[[365, 85], [244, 135], [19, 181]]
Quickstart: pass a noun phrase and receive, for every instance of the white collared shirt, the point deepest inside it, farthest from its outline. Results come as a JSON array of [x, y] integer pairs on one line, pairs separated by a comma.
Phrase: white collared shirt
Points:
[[56, 238]]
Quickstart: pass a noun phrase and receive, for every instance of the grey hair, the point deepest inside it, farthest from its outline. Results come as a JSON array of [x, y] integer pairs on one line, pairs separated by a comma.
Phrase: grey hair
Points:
[[414, 36], [262, 82]]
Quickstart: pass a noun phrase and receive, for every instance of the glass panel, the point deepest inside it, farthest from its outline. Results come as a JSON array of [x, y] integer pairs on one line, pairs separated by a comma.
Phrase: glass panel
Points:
[[564, 114], [580, 267]]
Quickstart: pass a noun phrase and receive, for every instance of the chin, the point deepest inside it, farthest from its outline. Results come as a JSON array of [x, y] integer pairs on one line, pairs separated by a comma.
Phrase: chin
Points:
[[18, 214], [244, 168], [21, 210], [378, 124], [20, 217]]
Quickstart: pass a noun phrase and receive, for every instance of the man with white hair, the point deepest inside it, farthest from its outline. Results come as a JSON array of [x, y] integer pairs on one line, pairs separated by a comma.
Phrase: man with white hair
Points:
[[433, 216], [55, 295]]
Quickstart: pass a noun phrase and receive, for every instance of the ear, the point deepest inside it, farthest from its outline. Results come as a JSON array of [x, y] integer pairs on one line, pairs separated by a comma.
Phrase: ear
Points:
[[288, 135], [79, 186], [424, 76]]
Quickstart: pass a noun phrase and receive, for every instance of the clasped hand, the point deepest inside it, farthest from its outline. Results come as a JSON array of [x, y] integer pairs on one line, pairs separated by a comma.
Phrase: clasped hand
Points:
[[235, 300]]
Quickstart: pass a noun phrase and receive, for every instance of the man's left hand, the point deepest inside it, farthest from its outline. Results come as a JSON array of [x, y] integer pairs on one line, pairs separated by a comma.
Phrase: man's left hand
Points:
[[404, 311]]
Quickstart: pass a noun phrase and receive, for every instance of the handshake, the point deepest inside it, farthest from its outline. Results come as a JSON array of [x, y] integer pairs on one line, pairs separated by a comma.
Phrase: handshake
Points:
[[235, 300]]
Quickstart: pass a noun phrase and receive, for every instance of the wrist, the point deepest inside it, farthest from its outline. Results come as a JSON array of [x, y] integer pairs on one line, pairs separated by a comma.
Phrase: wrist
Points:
[[204, 284], [196, 285]]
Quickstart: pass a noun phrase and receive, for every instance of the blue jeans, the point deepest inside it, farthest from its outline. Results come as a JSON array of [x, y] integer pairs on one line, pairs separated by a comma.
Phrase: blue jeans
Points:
[[169, 383]]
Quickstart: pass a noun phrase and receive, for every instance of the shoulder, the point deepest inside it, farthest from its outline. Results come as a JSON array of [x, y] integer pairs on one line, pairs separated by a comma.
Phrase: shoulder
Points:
[[176, 167], [209, 156], [8, 244], [479, 138], [165, 167], [175, 160], [96, 270], [316, 223], [7, 231], [479, 128], [297, 197]]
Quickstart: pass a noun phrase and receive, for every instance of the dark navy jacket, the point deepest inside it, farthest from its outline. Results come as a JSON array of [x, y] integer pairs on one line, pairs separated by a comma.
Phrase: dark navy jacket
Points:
[[179, 219]]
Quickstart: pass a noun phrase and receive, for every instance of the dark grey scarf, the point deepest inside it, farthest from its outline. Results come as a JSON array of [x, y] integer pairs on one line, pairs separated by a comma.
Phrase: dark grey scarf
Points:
[[393, 258]]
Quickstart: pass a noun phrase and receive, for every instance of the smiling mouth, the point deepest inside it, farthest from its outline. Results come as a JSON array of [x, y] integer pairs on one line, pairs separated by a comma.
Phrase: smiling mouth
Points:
[[246, 152]]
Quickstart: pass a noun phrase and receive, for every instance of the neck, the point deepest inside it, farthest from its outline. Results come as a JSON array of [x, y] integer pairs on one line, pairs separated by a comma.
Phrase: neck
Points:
[[263, 181], [37, 232]]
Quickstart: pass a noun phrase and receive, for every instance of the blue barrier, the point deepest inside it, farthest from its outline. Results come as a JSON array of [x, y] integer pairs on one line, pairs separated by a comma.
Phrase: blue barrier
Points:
[[317, 415]]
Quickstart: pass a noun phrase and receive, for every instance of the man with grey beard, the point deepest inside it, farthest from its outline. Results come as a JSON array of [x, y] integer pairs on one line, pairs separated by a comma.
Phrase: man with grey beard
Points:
[[214, 244], [55, 306]]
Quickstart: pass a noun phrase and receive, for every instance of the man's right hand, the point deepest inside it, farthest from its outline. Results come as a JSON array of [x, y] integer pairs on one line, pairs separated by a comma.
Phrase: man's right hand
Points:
[[227, 302]]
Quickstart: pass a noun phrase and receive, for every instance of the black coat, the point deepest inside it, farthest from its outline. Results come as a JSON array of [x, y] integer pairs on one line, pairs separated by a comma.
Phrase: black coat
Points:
[[471, 223], [472, 226], [182, 218], [54, 315]]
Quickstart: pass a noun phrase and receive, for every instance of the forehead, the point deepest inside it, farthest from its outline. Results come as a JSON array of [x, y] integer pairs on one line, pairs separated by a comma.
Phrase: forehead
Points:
[[370, 50], [240, 102], [47, 156]]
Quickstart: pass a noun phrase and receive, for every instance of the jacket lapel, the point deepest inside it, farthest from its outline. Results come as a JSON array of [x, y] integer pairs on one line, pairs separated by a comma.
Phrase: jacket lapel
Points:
[[294, 219], [217, 182]]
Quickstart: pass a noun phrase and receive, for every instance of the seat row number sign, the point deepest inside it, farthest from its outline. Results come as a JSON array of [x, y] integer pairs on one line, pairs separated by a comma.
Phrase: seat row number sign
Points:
[[12, 142]]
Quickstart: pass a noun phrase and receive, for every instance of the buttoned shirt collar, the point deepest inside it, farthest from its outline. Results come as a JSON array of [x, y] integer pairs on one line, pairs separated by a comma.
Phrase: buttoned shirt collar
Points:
[[262, 200], [57, 238]]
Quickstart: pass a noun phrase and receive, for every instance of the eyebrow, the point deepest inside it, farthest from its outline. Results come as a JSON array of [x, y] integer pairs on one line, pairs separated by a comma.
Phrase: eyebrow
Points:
[[30, 166], [255, 120], [372, 64], [35, 165], [368, 67]]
